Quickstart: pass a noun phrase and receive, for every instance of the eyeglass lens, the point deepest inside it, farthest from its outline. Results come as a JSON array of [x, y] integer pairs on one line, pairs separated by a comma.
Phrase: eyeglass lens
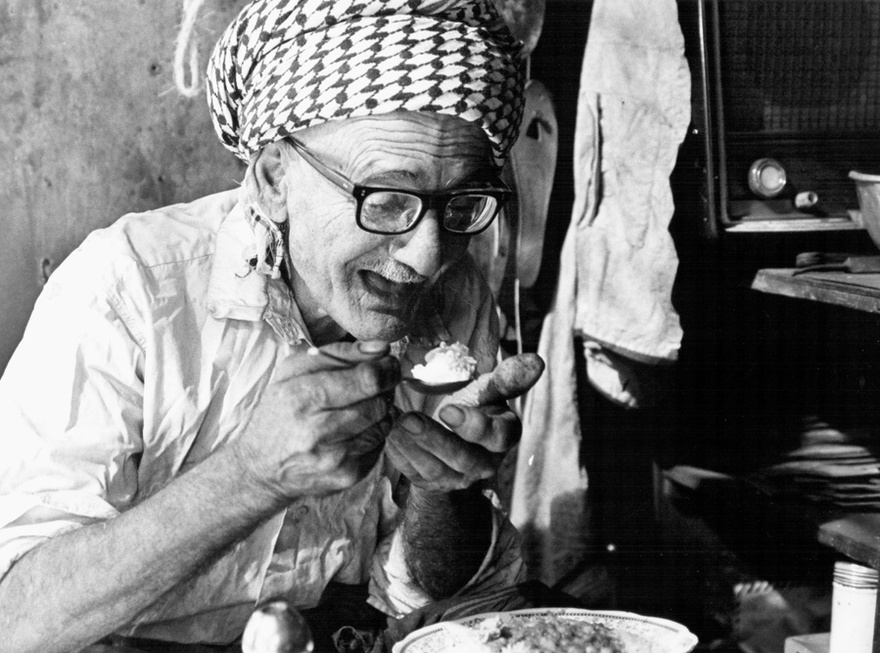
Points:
[[389, 211]]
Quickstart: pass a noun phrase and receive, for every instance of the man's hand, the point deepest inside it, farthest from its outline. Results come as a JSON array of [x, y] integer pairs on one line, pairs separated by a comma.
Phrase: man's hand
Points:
[[321, 423], [475, 430], [447, 524]]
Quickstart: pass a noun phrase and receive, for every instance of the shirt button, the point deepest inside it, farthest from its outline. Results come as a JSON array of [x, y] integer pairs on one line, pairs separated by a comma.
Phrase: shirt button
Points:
[[299, 514]]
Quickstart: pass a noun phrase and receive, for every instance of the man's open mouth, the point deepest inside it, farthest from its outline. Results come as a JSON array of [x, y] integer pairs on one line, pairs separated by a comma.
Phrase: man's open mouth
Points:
[[387, 290]]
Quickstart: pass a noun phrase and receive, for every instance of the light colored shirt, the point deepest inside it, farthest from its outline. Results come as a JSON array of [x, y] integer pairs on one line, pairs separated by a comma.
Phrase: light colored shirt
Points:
[[147, 350]]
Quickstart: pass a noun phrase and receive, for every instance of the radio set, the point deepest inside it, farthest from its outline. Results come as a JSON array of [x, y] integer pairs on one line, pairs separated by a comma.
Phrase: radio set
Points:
[[786, 103]]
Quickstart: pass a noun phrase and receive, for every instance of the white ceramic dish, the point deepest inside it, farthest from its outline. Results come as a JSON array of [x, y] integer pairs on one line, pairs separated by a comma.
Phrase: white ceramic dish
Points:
[[637, 633], [868, 192]]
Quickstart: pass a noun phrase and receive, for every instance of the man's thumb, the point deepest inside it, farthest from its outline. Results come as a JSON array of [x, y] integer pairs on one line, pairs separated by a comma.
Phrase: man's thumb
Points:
[[512, 377]]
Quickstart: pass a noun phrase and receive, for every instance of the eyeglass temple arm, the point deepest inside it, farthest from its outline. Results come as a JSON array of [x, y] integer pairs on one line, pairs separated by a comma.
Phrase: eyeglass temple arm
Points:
[[328, 173]]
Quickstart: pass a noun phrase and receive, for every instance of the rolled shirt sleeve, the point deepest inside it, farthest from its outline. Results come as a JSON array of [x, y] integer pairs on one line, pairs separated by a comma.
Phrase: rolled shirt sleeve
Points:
[[119, 385], [395, 592], [70, 405], [27, 520]]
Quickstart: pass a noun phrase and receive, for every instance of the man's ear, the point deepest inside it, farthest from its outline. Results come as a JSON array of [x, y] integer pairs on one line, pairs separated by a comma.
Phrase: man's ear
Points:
[[266, 182]]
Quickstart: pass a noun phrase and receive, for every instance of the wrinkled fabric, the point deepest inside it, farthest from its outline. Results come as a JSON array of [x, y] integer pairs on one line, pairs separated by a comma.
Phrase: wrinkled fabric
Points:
[[617, 266], [633, 110], [157, 341], [549, 502], [394, 593]]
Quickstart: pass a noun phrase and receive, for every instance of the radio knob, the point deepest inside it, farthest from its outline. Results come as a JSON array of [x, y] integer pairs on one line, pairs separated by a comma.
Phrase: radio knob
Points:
[[767, 177]]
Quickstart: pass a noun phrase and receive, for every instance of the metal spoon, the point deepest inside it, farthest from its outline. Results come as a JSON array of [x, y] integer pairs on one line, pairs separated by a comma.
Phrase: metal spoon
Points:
[[427, 388], [424, 387]]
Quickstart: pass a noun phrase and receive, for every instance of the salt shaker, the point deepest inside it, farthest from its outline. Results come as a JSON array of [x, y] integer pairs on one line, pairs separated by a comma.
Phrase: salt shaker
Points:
[[854, 602]]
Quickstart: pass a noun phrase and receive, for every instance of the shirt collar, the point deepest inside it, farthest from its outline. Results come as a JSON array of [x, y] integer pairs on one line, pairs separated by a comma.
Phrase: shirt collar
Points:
[[238, 292]]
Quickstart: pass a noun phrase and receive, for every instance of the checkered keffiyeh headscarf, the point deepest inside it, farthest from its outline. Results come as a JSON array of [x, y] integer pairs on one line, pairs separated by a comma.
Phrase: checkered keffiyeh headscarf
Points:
[[284, 65]]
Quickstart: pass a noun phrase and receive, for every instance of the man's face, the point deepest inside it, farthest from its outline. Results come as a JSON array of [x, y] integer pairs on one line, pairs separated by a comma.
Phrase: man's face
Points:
[[367, 284]]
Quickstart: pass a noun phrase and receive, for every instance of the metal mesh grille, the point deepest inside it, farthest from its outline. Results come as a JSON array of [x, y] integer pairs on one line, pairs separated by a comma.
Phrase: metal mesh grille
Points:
[[795, 66]]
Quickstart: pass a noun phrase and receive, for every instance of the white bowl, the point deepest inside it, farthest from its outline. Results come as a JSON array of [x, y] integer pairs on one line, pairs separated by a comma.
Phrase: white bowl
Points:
[[637, 633], [868, 190]]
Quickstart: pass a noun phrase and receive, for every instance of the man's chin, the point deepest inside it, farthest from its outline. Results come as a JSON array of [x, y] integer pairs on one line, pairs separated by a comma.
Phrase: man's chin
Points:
[[379, 327]]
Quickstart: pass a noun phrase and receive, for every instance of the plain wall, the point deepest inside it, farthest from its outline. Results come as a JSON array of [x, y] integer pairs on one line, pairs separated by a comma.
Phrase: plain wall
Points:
[[93, 128]]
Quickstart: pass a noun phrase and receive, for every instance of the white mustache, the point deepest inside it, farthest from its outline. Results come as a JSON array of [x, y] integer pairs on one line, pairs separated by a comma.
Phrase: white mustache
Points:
[[398, 273]]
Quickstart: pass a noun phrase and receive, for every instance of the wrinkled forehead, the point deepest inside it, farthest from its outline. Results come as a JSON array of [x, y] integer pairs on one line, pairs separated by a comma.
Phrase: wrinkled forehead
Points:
[[411, 130], [433, 148]]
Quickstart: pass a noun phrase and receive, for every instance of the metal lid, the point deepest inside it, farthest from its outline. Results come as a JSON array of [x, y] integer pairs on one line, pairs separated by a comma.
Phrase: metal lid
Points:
[[855, 576]]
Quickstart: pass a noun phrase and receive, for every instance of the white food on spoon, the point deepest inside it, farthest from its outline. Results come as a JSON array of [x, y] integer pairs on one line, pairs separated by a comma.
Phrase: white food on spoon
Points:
[[446, 364]]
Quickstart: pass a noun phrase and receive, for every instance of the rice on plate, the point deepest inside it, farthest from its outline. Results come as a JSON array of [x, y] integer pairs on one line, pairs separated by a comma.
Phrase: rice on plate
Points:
[[548, 630]]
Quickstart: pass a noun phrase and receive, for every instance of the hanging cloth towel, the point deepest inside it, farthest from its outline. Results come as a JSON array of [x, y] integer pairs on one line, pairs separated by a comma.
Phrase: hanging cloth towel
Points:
[[634, 109], [617, 266]]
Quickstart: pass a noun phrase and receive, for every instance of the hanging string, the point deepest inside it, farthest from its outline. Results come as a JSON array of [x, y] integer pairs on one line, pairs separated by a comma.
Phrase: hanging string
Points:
[[186, 52]]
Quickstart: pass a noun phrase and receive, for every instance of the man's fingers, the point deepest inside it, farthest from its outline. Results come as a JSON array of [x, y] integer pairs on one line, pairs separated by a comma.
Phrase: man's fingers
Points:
[[336, 356], [480, 428], [436, 452], [370, 417], [333, 383], [417, 464], [496, 428]]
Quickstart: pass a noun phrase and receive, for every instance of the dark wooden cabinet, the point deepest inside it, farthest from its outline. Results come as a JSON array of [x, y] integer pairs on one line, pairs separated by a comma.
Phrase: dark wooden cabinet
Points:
[[855, 535]]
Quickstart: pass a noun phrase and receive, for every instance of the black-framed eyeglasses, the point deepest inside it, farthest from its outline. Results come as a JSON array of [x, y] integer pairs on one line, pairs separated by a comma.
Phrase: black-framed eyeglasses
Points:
[[391, 211]]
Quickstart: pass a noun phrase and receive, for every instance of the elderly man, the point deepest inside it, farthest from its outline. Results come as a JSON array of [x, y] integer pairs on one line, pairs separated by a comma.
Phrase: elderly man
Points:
[[204, 412]]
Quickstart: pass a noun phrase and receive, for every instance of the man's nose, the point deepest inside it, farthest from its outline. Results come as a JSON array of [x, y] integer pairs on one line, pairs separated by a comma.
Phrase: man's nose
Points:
[[420, 249]]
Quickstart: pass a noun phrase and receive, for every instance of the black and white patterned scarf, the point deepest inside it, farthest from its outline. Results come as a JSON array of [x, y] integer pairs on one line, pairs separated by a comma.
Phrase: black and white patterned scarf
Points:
[[284, 65]]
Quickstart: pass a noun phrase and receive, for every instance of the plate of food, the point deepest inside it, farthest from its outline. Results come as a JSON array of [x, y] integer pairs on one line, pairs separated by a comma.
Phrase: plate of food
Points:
[[553, 630]]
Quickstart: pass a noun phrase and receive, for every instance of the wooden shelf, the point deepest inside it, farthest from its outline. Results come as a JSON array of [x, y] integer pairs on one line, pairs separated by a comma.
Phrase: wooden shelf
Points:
[[856, 536], [805, 224], [860, 292]]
